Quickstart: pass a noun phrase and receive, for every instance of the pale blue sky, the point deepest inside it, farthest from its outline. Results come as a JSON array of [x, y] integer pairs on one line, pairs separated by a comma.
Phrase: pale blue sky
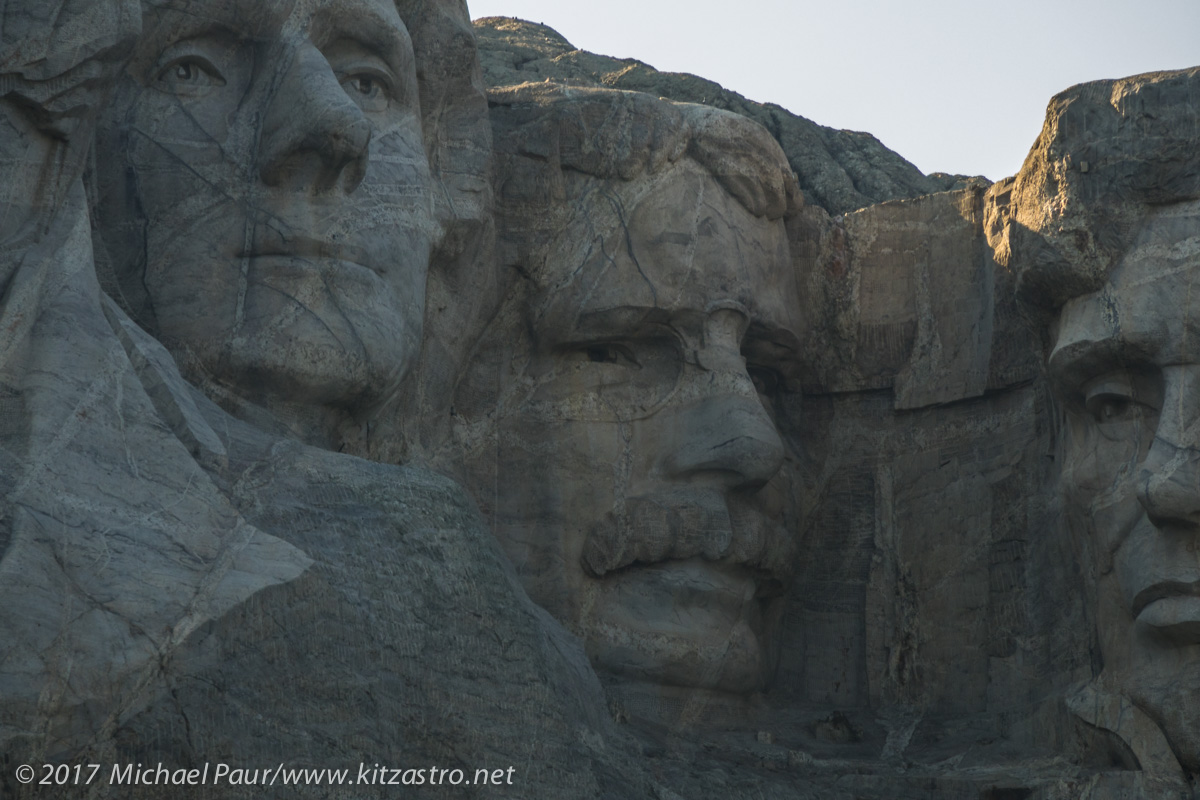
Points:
[[952, 85]]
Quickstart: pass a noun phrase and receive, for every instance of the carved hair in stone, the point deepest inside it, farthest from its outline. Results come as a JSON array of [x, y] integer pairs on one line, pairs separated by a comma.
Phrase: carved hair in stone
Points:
[[1103, 227], [625, 420]]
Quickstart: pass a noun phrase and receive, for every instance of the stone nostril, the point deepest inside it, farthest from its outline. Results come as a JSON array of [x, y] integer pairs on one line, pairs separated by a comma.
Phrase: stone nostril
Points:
[[345, 155], [347, 144], [1169, 490]]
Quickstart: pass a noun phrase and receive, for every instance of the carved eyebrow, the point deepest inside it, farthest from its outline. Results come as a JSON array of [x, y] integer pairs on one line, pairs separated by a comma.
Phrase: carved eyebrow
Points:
[[168, 32], [1072, 364], [361, 22], [198, 44], [776, 338], [619, 320]]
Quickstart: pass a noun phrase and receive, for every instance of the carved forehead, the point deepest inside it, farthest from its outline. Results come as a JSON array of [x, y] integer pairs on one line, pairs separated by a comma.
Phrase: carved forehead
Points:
[[1149, 308], [254, 18], [1110, 152], [1167, 245], [678, 243]]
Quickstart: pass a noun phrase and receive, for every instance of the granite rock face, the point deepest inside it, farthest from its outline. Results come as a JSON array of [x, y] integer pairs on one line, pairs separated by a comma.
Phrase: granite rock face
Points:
[[623, 419], [115, 545], [926, 426], [721, 479], [838, 170], [928, 571], [144, 515], [1102, 228]]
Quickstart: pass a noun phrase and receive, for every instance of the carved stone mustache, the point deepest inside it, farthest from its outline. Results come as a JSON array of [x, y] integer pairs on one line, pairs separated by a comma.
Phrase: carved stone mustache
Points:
[[689, 523]]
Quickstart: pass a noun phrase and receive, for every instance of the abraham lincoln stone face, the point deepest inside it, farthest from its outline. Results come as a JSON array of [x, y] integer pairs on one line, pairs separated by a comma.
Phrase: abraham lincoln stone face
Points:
[[270, 217], [638, 484], [1126, 364]]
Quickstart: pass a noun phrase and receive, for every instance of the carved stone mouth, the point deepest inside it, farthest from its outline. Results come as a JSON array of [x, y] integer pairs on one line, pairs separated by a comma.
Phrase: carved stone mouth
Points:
[[703, 580], [1162, 591], [306, 248], [692, 622], [670, 596]]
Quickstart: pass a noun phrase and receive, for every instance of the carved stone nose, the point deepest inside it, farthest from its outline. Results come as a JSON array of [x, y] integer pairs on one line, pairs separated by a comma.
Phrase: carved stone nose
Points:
[[1168, 482], [1169, 485], [728, 437], [314, 136]]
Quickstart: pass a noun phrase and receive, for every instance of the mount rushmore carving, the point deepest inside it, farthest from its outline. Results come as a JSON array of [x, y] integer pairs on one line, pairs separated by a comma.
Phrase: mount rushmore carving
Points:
[[357, 405]]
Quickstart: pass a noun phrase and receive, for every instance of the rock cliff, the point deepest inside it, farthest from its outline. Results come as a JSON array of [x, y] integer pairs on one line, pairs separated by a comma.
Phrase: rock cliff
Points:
[[741, 459], [838, 170]]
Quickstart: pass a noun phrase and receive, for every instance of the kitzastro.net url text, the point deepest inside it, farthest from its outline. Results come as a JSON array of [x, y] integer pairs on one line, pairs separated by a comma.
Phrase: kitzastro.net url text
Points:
[[221, 774]]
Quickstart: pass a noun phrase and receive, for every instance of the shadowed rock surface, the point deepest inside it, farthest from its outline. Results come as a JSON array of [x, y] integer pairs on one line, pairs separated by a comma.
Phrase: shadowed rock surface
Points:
[[1101, 228], [141, 520], [770, 495], [931, 628]]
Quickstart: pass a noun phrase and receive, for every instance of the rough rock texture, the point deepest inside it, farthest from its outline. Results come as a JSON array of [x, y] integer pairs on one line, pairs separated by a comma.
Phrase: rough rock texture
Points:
[[462, 288], [1102, 228], [407, 639], [906, 295], [621, 421], [142, 522], [929, 632], [926, 425], [96, 487], [775, 493], [838, 170]]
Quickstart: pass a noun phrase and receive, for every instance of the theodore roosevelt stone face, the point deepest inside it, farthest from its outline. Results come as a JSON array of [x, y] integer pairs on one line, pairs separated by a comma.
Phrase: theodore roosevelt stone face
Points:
[[265, 195], [638, 487]]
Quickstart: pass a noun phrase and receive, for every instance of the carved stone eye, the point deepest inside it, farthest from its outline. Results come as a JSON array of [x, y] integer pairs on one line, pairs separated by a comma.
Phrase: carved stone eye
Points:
[[370, 91], [610, 353], [189, 76], [1109, 408], [601, 355], [365, 85], [1114, 399]]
